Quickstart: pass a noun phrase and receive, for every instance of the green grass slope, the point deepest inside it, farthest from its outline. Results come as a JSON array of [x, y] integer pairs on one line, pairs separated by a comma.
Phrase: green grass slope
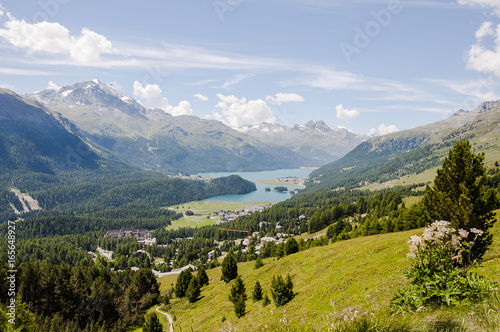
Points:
[[363, 273]]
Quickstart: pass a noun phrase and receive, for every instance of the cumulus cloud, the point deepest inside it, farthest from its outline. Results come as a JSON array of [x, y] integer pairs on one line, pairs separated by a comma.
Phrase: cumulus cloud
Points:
[[383, 130], [53, 86], [152, 98], [201, 97], [52, 37], [285, 98], [346, 114], [482, 58], [239, 112]]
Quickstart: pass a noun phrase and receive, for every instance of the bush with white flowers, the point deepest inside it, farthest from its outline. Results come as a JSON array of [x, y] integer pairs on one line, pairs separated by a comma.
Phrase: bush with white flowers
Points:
[[440, 270]]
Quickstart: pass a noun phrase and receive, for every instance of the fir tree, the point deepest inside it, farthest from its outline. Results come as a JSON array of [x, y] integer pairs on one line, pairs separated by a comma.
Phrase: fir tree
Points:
[[281, 290], [257, 292], [229, 268], [152, 324], [182, 283], [291, 246], [460, 195], [240, 307], [237, 290], [193, 290], [202, 277]]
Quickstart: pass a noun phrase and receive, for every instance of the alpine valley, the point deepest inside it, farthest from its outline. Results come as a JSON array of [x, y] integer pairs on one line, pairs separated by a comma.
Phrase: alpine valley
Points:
[[109, 223]]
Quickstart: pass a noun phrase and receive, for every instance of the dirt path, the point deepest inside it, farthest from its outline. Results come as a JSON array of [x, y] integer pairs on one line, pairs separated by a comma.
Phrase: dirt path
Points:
[[170, 320]]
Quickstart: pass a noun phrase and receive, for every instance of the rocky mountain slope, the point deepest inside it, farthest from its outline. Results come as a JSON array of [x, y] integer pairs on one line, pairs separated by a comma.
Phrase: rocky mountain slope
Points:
[[314, 140]]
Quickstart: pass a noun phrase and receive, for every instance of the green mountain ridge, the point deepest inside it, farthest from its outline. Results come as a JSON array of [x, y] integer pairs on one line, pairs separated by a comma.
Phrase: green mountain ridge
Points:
[[412, 151]]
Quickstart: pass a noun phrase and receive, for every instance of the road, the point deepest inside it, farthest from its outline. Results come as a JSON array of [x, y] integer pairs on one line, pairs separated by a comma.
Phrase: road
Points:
[[170, 320]]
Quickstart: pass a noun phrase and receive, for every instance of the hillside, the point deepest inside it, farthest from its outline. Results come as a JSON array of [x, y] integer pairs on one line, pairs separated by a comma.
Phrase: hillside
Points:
[[411, 152], [359, 273], [32, 139]]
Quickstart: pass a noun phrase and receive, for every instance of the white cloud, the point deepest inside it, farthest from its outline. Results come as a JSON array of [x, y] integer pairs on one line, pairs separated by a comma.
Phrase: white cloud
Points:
[[201, 97], [285, 98], [345, 114], [481, 58], [234, 81], [486, 29], [89, 46], [152, 98], [495, 4], [239, 112], [48, 37], [480, 89], [383, 130], [53, 86]]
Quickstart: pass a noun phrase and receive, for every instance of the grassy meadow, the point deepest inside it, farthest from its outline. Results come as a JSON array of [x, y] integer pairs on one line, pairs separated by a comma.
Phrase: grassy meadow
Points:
[[359, 273]]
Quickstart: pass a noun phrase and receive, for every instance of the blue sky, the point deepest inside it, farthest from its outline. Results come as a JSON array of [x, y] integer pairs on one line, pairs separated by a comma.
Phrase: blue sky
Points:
[[371, 66]]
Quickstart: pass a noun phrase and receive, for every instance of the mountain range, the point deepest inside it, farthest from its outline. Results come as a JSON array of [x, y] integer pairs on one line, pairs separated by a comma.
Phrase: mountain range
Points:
[[314, 140], [120, 128], [413, 151]]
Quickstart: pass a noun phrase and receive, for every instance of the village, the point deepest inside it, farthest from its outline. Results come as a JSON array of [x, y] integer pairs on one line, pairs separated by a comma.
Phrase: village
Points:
[[232, 215], [252, 240]]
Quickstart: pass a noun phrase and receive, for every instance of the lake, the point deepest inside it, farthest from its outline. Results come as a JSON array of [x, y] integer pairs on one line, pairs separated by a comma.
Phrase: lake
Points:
[[261, 195]]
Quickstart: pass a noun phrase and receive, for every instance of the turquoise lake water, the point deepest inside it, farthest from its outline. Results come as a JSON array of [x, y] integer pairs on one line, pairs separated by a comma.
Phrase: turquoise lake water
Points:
[[261, 195]]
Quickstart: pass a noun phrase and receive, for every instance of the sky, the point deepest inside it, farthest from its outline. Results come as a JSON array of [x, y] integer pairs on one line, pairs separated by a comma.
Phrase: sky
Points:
[[371, 66]]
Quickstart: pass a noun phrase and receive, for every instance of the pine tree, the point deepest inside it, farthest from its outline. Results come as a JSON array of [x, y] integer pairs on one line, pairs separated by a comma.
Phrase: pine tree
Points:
[[182, 283], [257, 292], [229, 268], [460, 196], [240, 307], [193, 291], [202, 277], [291, 246], [152, 324], [281, 290], [237, 290]]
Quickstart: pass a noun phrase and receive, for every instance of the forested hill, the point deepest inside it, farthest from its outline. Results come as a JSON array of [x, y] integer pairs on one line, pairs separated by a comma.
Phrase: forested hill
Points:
[[412, 151], [32, 139], [39, 157]]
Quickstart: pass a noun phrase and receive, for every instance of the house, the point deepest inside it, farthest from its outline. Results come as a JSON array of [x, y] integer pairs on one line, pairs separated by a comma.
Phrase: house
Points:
[[266, 239], [141, 235]]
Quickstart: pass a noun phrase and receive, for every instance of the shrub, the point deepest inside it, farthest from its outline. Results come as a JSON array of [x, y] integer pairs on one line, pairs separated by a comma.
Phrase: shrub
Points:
[[439, 273], [258, 263], [152, 324]]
